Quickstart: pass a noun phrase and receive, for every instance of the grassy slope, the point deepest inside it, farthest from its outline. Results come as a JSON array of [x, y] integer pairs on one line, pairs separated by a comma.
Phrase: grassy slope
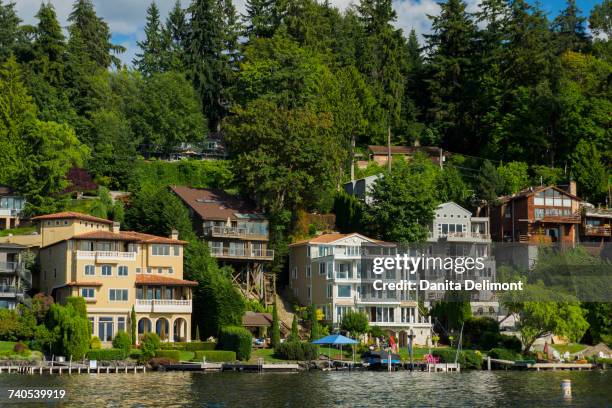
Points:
[[571, 347]]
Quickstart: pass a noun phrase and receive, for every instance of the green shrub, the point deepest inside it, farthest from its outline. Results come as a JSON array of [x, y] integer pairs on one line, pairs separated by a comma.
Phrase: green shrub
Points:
[[467, 358], [296, 350], [215, 356], [136, 354], [504, 354], [200, 345], [123, 341], [149, 344], [511, 343], [236, 339], [95, 343], [111, 354], [171, 354]]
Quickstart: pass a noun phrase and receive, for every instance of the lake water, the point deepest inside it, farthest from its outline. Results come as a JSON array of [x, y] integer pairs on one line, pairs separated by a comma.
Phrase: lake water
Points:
[[318, 389]]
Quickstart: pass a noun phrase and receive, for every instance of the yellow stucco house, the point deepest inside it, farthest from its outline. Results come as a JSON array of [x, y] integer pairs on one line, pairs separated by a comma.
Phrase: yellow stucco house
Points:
[[114, 270]]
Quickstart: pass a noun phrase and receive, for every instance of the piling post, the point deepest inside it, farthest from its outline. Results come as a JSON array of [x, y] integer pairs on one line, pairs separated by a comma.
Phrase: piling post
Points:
[[488, 363]]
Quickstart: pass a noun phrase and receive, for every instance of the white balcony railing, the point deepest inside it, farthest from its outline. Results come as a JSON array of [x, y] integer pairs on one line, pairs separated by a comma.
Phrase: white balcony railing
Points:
[[8, 212], [106, 256], [241, 253], [234, 232], [163, 306]]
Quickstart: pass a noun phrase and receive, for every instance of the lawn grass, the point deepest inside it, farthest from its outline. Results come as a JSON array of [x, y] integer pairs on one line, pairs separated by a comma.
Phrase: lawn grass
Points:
[[571, 347], [83, 206], [266, 354], [7, 345], [186, 355], [18, 231]]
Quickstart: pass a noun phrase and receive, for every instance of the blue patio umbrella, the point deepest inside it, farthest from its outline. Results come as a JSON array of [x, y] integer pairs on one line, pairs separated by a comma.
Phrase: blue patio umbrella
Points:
[[337, 339]]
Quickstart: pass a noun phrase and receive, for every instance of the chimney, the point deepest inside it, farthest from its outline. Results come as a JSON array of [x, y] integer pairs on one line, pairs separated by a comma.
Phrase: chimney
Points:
[[174, 234], [572, 187], [116, 227]]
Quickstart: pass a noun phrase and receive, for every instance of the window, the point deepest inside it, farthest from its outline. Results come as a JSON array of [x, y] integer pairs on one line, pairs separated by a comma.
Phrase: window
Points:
[[121, 324], [308, 251], [322, 268], [168, 294], [343, 271], [160, 249], [138, 270], [105, 328], [508, 211], [344, 291], [122, 271], [118, 295], [308, 273], [90, 270], [330, 270], [160, 270], [330, 291], [88, 293], [539, 213], [107, 270], [384, 315], [309, 292], [341, 311], [294, 272], [170, 270], [176, 250], [91, 324], [352, 250], [149, 269], [139, 293]]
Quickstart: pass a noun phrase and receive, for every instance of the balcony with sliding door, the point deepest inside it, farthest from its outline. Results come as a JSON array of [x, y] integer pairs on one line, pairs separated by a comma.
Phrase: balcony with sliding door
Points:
[[163, 299]]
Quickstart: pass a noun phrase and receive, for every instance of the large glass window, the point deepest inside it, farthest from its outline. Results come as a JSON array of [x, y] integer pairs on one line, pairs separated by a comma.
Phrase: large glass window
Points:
[[107, 270], [122, 271], [121, 324], [344, 291], [105, 328], [90, 270], [160, 249]]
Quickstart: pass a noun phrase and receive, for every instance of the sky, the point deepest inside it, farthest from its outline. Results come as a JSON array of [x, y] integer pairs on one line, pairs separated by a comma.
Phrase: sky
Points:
[[126, 18]]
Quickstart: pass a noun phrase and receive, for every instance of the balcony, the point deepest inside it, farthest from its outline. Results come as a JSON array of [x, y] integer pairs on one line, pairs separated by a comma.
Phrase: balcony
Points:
[[162, 306], [597, 231], [234, 232], [239, 253], [10, 267], [106, 256], [467, 236], [560, 219], [8, 212], [9, 291]]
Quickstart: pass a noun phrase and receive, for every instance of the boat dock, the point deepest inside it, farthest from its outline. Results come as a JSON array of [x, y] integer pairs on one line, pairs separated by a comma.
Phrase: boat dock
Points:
[[528, 365], [71, 369], [242, 367]]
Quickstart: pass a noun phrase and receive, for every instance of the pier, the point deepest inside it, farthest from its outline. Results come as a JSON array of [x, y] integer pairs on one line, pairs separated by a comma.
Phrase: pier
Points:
[[528, 365], [71, 369]]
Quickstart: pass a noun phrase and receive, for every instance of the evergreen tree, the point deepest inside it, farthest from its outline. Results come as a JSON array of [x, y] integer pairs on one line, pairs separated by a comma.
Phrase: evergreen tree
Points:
[[152, 57], [209, 62], [90, 37], [175, 35], [275, 337], [452, 81], [49, 46], [570, 29], [314, 323], [261, 18], [133, 325], [9, 29], [295, 334]]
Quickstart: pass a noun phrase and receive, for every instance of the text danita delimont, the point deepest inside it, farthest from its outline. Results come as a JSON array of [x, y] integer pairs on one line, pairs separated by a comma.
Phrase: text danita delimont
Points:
[[459, 265]]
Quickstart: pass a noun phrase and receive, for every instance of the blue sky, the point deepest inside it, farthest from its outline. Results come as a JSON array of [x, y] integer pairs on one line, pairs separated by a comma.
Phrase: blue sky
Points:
[[127, 17]]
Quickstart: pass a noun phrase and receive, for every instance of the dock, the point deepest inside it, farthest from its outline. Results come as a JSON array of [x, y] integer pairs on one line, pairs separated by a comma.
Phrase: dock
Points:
[[526, 365], [71, 369], [242, 367]]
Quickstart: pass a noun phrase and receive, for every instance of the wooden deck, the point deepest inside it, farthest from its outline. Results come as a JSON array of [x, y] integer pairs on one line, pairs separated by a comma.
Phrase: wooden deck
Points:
[[521, 365]]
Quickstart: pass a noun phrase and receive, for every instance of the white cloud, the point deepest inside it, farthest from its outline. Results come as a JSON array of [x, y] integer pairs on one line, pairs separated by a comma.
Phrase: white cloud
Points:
[[126, 18]]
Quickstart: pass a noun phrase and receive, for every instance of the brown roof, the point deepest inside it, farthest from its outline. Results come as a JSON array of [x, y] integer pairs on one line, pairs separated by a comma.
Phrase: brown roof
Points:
[[332, 237], [211, 204], [84, 284], [250, 319], [5, 190], [529, 191], [74, 215], [162, 280], [130, 236], [408, 150]]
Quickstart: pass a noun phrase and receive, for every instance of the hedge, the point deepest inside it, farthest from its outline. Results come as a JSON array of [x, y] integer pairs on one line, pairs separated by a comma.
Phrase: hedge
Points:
[[106, 354], [236, 339], [172, 354], [215, 356], [511, 343], [467, 358], [504, 354], [296, 350], [200, 345]]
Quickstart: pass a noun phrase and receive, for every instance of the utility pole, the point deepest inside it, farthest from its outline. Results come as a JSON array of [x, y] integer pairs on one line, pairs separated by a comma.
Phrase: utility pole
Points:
[[389, 148]]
